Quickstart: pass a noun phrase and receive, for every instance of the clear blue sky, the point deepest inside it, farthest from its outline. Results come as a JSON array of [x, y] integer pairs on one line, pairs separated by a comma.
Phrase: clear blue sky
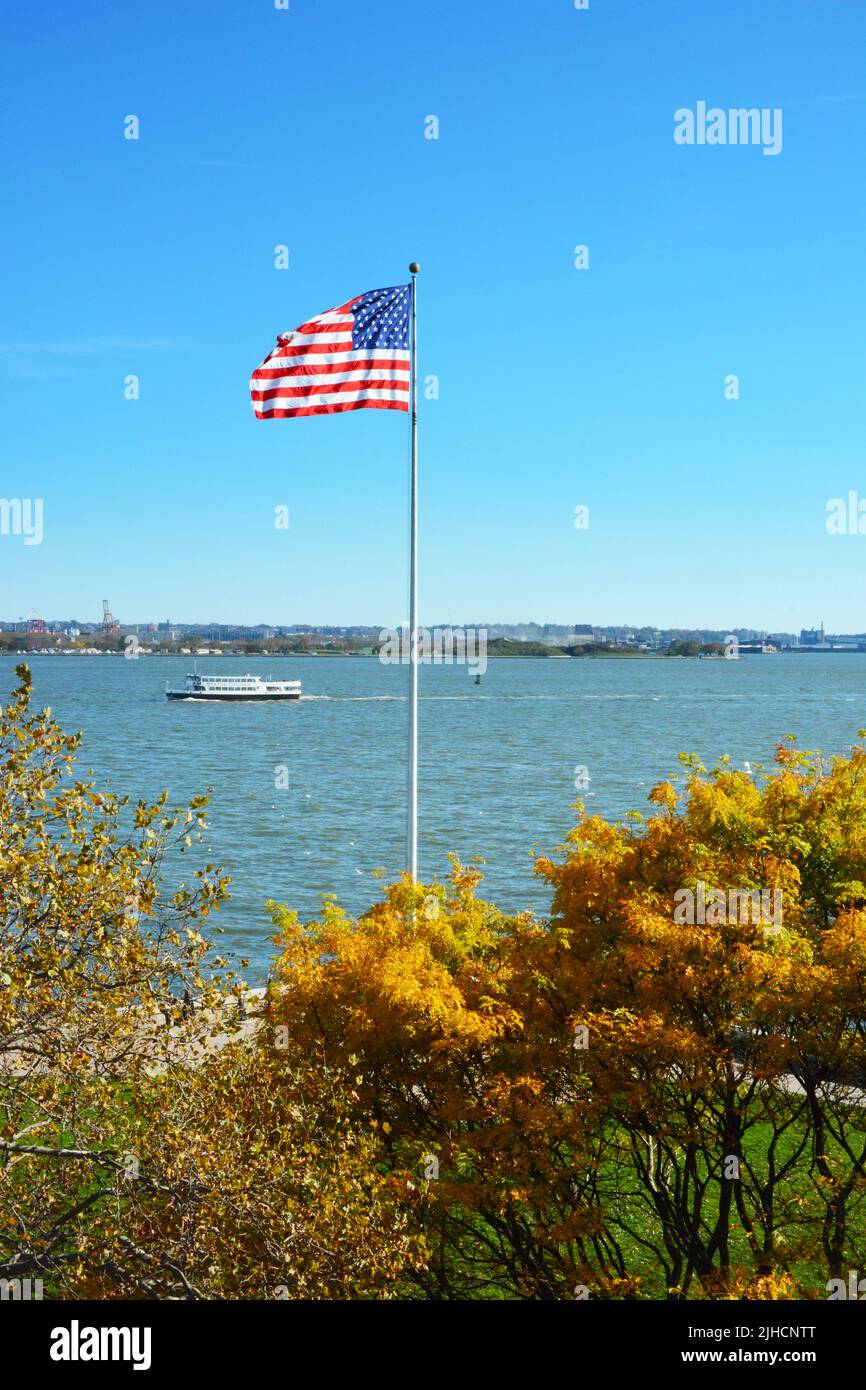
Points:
[[558, 387]]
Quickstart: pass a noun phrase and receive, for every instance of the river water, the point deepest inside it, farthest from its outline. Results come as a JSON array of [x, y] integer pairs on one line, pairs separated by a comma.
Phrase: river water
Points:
[[498, 761]]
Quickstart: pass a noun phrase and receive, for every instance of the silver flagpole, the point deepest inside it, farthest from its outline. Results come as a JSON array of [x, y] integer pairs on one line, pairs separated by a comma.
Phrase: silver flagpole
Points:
[[412, 809]]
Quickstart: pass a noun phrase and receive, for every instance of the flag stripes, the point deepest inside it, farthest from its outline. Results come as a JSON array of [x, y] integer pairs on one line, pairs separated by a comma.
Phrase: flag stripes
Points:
[[350, 357]]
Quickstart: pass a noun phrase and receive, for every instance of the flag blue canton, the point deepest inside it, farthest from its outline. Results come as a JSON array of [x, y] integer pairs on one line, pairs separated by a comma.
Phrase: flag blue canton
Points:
[[381, 318]]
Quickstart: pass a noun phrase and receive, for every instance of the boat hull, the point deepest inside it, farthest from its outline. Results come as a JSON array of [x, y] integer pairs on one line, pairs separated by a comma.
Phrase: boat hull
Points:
[[230, 698]]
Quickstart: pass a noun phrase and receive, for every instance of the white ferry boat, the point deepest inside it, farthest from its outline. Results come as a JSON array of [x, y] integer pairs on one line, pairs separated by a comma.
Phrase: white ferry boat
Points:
[[203, 687]]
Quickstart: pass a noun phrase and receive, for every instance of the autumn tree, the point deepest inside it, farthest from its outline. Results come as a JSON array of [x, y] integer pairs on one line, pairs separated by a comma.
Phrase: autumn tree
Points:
[[486, 1128], [654, 1092], [148, 1146], [729, 1042]]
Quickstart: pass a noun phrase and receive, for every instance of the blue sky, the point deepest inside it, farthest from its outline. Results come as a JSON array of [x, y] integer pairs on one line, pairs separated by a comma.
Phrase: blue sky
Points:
[[558, 387]]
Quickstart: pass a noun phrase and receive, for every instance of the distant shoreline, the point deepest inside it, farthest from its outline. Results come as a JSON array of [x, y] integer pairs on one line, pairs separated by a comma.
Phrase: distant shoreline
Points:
[[491, 656]]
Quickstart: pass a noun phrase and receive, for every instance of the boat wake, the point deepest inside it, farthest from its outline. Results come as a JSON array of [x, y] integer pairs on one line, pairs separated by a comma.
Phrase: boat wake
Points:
[[353, 699]]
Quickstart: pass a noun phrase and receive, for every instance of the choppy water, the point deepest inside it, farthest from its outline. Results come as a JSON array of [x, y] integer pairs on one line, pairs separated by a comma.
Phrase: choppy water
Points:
[[497, 765]]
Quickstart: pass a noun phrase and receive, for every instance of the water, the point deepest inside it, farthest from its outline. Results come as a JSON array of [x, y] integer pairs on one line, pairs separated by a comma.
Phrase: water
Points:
[[497, 766]]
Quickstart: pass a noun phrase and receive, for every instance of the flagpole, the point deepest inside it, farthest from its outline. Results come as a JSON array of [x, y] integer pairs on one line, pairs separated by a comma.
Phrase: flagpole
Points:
[[412, 807]]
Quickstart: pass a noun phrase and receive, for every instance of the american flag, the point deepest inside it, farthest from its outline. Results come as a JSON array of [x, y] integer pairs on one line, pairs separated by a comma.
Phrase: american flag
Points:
[[345, 359]]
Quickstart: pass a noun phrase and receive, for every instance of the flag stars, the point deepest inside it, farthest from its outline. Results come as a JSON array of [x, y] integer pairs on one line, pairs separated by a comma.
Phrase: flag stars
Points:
[[382, 319]]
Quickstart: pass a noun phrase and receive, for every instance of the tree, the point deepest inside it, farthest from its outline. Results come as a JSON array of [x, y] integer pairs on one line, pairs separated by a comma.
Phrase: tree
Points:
[[657, 1091], [148, 1150], [91, 957], [254, 1180], [501, 1162]]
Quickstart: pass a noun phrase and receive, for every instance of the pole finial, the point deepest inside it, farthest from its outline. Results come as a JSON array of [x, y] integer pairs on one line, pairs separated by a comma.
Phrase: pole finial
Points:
[[414, 268]]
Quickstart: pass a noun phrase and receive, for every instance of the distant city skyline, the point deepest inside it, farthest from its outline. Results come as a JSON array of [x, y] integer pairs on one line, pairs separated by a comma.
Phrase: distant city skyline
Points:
[[217, 627]]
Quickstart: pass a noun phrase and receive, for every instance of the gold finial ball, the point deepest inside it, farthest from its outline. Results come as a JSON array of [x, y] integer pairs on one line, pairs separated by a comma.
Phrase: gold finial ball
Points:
[[414, 268]]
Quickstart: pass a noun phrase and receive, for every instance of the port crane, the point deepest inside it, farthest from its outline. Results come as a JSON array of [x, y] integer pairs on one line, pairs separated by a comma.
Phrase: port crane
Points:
[[110, 625]]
